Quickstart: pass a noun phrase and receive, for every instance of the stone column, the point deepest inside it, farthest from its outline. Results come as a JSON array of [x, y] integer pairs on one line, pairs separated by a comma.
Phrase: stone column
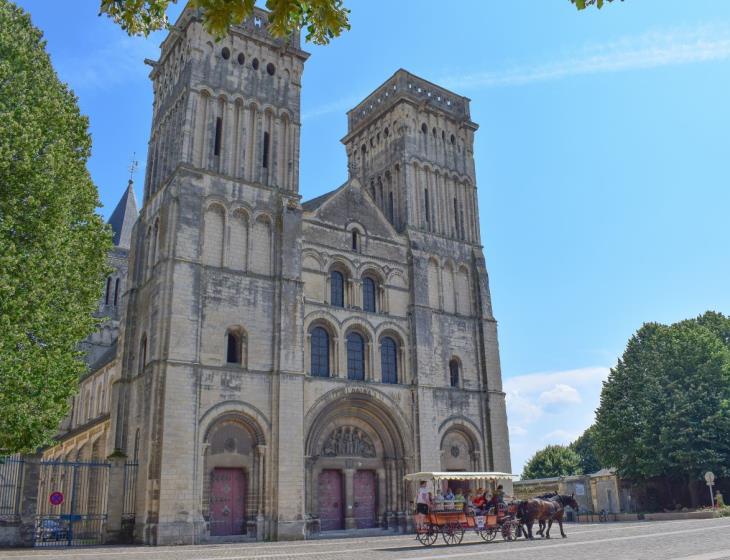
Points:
[[349, 498], [340, 358], [383, 497], [383, 301], [115, 500], [29, 502], [261, 481], [369, 361], [350, 293]]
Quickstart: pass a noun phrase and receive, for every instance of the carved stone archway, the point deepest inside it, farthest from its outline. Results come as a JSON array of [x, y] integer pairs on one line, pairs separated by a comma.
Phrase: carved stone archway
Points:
[[355, 441]]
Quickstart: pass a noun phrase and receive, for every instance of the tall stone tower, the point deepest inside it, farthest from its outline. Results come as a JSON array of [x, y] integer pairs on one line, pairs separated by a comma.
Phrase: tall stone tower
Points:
[[214, 301], [411, 144]]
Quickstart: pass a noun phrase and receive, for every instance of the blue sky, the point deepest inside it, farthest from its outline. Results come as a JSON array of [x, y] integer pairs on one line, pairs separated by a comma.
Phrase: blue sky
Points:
[[602, 161]]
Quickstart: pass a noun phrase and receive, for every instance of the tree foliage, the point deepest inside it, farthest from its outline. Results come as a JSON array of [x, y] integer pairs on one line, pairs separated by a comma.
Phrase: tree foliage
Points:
[[665, 407], [52, 243], [585, 447], [553, 460], [324, 19], [583, 4]]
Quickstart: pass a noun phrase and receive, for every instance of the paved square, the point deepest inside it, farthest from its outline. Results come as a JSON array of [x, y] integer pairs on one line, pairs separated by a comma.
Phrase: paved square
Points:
[[707, 539]]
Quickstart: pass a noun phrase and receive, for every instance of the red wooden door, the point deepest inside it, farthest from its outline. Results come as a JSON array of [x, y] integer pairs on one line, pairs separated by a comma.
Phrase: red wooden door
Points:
[[364, 493], [227, 502], [330, 500]]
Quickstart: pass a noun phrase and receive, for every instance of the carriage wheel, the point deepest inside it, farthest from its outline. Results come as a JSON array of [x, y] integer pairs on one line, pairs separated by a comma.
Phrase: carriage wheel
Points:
[[427, 537], [509, 531], [452, 533], [488, 533]]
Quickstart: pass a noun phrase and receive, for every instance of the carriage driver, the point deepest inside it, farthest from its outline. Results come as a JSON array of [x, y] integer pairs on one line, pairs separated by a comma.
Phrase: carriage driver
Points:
[[423, 501]]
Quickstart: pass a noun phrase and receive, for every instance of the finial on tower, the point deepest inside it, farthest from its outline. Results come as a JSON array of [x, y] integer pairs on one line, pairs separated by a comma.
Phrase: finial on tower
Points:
[[133, 165]]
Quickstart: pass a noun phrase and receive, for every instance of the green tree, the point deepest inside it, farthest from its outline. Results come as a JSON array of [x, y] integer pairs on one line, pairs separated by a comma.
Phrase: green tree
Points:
[[324, 19], [583, 4], [585, 447], [553, 460], [52, 243], [665, 407]]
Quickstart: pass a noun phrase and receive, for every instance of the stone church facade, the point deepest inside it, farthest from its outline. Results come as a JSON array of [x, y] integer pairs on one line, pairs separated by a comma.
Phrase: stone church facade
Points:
[[280, 365]]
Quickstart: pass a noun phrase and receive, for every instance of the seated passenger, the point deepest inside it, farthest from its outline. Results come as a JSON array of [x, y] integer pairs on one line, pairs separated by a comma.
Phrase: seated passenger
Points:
[[448, 495], [479, 500]]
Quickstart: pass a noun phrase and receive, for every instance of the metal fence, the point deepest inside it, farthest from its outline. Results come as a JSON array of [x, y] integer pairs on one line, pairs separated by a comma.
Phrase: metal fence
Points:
[[130, 498], [72, 503], [11, 484]]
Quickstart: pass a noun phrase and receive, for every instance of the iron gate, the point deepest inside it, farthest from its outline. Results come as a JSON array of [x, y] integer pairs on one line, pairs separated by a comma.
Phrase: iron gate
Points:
[[11, 483], [130, 495], [72, 503]]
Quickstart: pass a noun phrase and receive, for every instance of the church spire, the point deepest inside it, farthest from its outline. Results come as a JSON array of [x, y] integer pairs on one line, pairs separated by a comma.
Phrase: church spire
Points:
[[123, 218]]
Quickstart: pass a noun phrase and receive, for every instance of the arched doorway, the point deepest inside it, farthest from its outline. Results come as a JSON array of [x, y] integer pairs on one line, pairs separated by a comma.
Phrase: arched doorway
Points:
[[233, 476], [356, 460]]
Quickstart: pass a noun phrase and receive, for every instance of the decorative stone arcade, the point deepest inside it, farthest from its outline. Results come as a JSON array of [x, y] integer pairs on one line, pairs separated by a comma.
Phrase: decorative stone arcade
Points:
[[355, 463]]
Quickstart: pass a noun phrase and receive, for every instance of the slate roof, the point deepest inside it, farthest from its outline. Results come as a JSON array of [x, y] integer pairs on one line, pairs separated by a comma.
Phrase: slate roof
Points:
[[123, 218], [315, 203]]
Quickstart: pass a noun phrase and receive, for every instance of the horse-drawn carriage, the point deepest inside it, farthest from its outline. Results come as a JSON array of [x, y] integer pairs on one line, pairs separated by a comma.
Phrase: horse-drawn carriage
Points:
[[452, 518]]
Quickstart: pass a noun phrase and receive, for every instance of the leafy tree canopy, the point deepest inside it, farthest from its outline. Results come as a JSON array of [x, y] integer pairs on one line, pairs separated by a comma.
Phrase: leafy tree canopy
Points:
[[52, 243], [553, 460], [583, 4], [665, 407], [585, 447], [324, 19]]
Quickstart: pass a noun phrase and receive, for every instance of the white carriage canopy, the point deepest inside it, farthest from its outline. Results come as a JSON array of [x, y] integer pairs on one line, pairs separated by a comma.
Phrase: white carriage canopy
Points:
[[439, 476]]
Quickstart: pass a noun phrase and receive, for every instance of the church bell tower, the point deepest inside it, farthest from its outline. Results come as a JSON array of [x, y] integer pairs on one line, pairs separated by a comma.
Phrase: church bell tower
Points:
[[212, 336]]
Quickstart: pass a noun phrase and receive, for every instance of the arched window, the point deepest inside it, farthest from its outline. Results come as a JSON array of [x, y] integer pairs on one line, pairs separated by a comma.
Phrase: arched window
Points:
[[389, 360], [368, 294], [454, 373], [116, 292], [337, 289], [233, 347], [354, 240], [142, 353], [218, 136], [265, 157], [456, 219], [427, 205], [108, 290], [320, 351], [355, 357]]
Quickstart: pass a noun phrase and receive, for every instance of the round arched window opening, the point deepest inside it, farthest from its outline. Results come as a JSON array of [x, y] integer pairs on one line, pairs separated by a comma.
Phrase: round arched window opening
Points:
[[386, 132], [453, 139], [226, 53], [434, 132], [270, 69], [241, 58], [255, 63], [424, 128]]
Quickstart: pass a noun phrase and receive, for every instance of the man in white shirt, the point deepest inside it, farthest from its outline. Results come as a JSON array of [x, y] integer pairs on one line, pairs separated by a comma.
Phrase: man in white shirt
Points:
[[423, 502]]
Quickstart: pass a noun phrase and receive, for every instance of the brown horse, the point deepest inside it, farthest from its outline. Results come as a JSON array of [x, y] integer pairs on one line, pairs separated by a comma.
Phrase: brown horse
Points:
[[543, 511]]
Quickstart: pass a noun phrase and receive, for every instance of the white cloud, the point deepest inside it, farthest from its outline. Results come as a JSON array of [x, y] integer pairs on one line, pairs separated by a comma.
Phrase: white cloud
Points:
[[562, 437], [532, 383], [560, 394], [550, 407], [119, 62], [652, 49]]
